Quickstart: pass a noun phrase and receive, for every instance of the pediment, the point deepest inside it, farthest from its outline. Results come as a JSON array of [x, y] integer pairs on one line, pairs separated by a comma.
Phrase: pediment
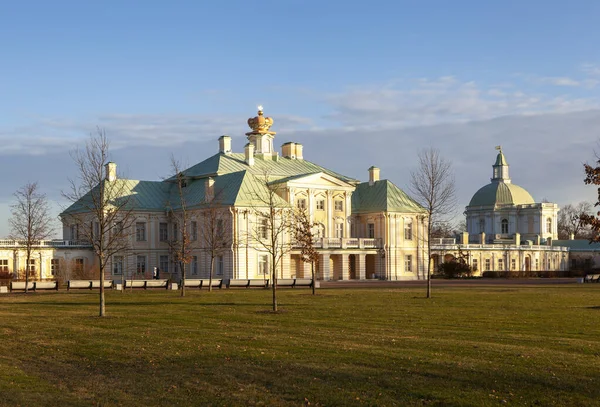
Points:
[[319, 180]]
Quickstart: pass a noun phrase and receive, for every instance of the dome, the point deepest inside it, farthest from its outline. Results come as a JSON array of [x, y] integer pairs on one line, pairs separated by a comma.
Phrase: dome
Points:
[[501, 193]]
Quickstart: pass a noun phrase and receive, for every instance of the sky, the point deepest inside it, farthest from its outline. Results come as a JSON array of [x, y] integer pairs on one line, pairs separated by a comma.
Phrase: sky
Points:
[[358, 83]]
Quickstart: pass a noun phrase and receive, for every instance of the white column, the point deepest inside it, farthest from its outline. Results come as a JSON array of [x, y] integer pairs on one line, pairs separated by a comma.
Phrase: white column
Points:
[[324, 266], [361, 265], [345, 267]]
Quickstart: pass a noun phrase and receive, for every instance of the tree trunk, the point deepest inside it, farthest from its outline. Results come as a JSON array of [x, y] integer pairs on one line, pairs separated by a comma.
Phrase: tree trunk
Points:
[[27, 271], [102, 306], [274, 286], [182, 269], [312, 270], [429, 258], [210, 275]]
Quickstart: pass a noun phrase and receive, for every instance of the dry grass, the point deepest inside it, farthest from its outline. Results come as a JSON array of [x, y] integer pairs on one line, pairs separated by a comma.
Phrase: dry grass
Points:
[[467, 347]]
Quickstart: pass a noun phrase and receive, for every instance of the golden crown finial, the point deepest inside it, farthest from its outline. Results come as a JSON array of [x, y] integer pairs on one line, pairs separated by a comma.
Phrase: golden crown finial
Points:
[[260, 124]]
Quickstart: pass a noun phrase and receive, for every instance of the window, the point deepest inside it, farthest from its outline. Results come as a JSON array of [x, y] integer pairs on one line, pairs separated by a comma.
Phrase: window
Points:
[[163, 232], [141, 264], [321, 205], [4, 265], [163, 263], [504, 226], [175, 231], [195, 265], [301, 203], [320, 231], [118, 229], [194, 231], [370, 230], [474, 265], [339, 230], [549, 225], [500, 265], [220, 265], [219, 228], [339, 205], [408, 263], [408, 229], [488, 264], [537, 264], [263, 228], [140, 231], [117, 265], [54, 265], [481, 225], [96, 230], [263, 264], [78, 266], [513, 264], [74, 232], [32, 265]]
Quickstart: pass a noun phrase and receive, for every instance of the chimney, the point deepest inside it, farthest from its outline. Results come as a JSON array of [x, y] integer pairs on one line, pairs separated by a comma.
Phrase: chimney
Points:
[[288, 150], [517, 239], [571, 236], [549, 241], [482, 238], [465, 238], [111, 171], [299, 152], [225, 144], [249, 152], [209, 190], [373, 175]]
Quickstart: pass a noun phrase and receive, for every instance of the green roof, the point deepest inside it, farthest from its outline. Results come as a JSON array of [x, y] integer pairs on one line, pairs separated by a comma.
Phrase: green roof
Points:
[[282, 167], [382, 196], [501, 193], [142, 195], [577, 245], [500, 159]]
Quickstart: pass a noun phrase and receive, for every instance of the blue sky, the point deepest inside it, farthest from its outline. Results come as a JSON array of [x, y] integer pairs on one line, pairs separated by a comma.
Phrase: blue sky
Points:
[[166, 77]]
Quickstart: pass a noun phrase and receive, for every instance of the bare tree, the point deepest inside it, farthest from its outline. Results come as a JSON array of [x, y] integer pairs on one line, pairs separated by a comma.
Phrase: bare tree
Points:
[[101, 213], [271, 231], [569, 220], [215, 230], [305, 239], [432, 185], [30, 220], [179, 241]]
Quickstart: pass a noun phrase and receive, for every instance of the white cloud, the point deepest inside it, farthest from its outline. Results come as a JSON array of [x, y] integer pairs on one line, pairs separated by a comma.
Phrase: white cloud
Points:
[[560, 81]]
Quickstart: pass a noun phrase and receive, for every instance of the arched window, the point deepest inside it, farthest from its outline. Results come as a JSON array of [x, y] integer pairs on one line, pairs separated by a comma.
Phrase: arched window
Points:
[[549, 225], [504, 226], [481, 225]]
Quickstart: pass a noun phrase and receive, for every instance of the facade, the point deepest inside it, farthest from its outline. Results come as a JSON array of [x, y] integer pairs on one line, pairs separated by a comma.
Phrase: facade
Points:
[[364, 230], [507, 231]]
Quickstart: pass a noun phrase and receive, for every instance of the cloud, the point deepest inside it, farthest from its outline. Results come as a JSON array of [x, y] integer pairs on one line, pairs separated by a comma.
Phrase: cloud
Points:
[[560, 81]]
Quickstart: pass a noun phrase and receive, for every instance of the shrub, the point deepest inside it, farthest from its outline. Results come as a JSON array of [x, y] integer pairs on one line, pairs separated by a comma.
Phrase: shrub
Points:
[[454, 269], [490, 274]]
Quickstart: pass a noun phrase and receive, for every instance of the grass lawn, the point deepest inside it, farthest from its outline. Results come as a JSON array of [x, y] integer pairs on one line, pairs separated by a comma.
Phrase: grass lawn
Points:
[[475, 346]]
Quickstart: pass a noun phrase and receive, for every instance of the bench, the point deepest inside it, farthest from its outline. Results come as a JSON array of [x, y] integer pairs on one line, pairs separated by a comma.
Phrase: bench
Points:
[[285, 282], [33, 285], [88, 284], [294, 282], [592, 278], [250, 283], [303, 282], [237, 283], [203, 283], [145, 284]]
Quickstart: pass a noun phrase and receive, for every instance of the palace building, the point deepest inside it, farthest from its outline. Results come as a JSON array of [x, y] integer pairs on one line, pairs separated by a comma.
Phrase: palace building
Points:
[[364, 230], [508, 231]]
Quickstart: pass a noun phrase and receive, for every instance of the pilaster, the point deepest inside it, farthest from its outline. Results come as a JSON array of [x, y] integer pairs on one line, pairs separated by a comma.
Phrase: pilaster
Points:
[[324, 266]]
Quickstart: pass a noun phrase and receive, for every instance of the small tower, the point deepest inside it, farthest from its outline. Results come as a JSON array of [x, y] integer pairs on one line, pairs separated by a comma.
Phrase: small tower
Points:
[[260, 136], [500, 168]]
